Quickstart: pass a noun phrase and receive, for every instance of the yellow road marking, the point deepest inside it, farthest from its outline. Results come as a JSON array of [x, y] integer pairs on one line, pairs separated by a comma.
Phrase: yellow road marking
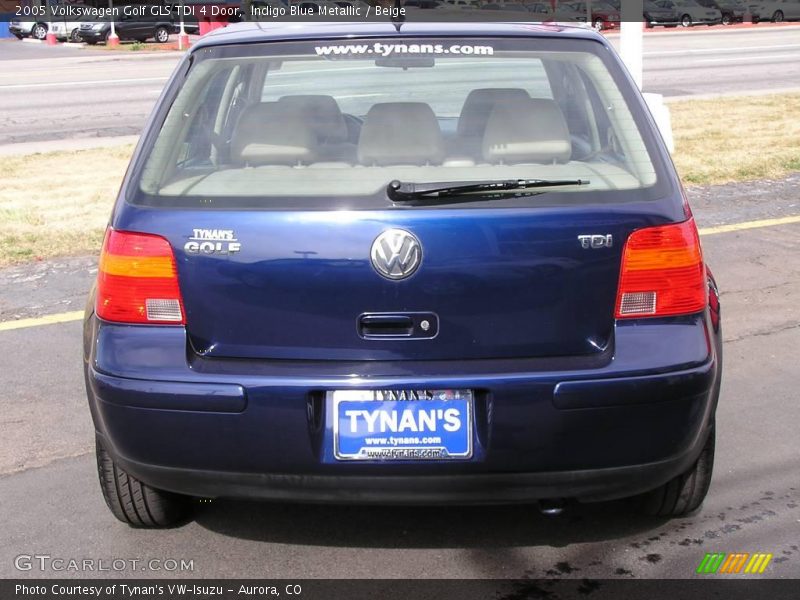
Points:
[[749, 225], [75, 315], [78, 314]]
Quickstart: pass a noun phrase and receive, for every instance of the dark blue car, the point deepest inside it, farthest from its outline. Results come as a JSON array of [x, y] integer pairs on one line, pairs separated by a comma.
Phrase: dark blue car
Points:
[[450, 264]]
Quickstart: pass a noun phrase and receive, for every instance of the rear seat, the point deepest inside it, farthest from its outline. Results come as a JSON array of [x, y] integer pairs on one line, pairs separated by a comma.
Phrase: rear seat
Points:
[[308, 130], [475, 115], [271, 133], [531, 130], [400, 133], [327, 121]]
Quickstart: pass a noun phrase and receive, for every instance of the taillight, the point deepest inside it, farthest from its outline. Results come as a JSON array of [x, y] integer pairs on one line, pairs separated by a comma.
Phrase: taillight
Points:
[[662, 273], [137, 281]]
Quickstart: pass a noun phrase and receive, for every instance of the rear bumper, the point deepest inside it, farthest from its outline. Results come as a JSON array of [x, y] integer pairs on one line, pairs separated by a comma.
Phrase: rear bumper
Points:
[[587, 485], [594, 429]]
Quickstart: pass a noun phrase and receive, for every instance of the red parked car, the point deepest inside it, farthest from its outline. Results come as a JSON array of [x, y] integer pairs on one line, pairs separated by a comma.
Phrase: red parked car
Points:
[[604, 16]]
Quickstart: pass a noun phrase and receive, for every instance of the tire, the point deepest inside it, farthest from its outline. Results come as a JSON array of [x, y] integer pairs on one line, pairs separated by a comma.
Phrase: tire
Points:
[[599, 24], [686, 21], [134, 502], [686, 492], [777, 17], [39, 31], [75, 35], [161, 35], [726, 19]]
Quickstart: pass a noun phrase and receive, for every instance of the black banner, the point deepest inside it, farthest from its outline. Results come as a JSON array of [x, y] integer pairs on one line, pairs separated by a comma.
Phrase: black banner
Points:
[[601, 14], [382, 589]]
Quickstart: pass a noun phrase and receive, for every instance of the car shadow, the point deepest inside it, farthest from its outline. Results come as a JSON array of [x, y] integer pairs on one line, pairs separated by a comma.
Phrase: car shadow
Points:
[[422, 526]]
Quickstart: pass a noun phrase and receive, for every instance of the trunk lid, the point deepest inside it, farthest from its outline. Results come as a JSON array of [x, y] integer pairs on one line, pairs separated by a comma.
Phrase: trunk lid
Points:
[[499, 283]]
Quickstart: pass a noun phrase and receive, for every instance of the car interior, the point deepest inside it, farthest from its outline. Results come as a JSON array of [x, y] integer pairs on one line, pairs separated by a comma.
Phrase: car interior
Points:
[[233, 129]]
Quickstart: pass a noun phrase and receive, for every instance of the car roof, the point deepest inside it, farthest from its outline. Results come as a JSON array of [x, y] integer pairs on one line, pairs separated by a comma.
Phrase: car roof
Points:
[[256, 31]]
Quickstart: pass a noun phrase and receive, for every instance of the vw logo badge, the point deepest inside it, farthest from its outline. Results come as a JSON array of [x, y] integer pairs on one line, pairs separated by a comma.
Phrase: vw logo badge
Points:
[[396, 254]]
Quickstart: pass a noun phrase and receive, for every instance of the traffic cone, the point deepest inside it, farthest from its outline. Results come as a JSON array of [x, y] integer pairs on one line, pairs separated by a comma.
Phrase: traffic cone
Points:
[[113, 40], [50, 38], [183, 41]]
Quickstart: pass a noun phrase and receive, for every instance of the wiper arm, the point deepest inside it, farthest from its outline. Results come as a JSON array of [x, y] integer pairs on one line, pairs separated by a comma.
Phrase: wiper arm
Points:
[[467, 191]]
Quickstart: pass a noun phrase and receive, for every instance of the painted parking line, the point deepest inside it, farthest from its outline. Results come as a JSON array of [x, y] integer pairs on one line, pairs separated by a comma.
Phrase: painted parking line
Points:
[[749, 225], [78, 314], [66, 317]]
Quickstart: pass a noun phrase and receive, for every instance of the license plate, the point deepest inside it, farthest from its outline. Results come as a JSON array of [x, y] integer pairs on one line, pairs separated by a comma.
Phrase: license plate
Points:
[[413, 425]]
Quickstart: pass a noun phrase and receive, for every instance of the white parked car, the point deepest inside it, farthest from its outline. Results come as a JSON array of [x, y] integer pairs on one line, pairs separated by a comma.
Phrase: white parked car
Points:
[[63, 29], [66, 30]]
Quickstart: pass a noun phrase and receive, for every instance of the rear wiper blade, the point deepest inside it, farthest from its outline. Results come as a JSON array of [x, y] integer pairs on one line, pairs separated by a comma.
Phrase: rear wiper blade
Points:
[[465, 191]]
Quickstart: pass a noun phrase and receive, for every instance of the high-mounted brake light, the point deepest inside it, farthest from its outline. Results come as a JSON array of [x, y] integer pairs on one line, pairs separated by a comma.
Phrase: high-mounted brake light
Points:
[[662, 273], [137, 281]]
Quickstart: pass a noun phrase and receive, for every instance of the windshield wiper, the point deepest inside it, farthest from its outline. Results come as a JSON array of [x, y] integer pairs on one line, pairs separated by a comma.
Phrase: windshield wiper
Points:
[[471, 191]]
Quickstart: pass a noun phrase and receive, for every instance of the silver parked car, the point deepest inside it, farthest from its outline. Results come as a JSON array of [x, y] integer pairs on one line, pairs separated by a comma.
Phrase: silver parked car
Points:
[[23, 29], [691, 13], [776, 11]]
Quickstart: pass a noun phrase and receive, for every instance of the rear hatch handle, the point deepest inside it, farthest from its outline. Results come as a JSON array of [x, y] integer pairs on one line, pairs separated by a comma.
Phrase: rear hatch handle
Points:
[[417, 325]]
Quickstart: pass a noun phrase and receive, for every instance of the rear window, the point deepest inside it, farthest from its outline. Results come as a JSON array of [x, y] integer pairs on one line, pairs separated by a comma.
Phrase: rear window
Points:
[[330, 124]]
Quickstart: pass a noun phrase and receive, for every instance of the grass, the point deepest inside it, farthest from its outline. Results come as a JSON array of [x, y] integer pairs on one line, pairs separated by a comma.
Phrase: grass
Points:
[[736, 139], [136, 46], [58, 204]]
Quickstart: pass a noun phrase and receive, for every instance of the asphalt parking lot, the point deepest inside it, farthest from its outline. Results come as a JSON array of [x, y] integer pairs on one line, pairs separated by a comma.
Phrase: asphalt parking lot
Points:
[[68, 93], [52, 504]]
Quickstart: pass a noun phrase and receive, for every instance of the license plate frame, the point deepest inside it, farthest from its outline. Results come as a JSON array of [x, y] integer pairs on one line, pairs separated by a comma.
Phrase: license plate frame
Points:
[[394, 446]]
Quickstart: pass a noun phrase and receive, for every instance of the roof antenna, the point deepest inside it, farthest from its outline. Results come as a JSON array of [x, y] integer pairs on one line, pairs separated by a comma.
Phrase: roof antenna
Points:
[[398, 18]]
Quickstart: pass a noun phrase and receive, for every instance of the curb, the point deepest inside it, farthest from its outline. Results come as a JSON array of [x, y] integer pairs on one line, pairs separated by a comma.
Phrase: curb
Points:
[[69, 144], [737, 94]]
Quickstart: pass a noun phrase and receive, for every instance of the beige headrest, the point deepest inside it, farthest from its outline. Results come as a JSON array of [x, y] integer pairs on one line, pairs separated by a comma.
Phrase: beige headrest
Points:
[[527, 130], [323, 114], [400, 133], [271, 133], [478, 106]]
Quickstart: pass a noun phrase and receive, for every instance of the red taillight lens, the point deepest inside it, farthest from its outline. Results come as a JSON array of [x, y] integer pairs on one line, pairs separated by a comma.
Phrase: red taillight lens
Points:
[[137, 281], [662, 273]]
